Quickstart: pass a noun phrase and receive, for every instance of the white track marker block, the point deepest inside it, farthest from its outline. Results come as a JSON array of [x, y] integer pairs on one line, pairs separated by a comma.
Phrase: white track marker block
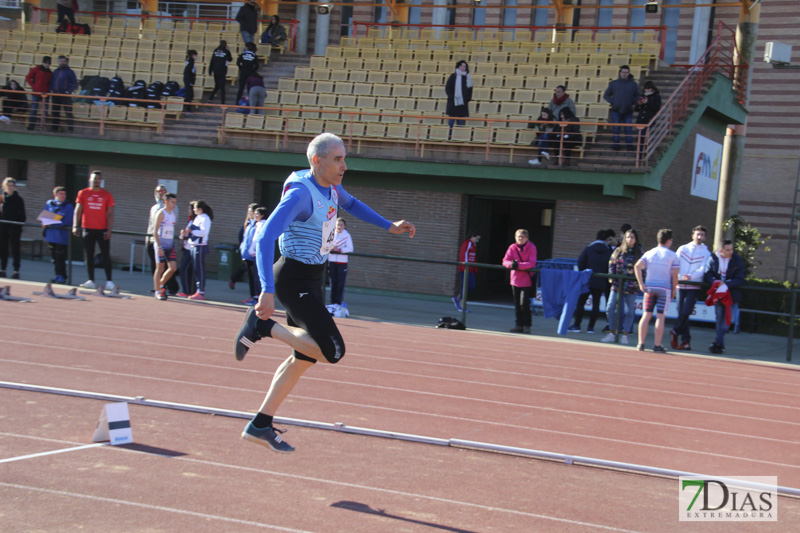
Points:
[[114, 424]]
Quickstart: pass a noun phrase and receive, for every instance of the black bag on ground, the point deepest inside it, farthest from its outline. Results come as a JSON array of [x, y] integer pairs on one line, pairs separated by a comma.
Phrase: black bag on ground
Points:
[[117, 87], [448, 322], [154, 93]]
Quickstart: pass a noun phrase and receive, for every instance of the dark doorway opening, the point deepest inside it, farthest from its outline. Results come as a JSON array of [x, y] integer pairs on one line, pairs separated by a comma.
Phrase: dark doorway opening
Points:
[[496, 220]]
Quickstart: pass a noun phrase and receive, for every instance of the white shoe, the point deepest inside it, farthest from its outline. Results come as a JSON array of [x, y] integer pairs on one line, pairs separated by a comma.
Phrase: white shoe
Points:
[[109, 286], [546, 155], [534, 161], [608, 338], [623, 340], [89, 284]]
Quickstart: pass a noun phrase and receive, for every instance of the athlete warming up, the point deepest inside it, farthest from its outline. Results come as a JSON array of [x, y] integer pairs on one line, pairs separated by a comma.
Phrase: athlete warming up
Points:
[[304, 222]]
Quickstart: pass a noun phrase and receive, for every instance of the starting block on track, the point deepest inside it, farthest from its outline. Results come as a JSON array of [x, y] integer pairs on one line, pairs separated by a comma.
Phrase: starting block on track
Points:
[[114, 424], [71, 294], [112, 294], [5, 295]]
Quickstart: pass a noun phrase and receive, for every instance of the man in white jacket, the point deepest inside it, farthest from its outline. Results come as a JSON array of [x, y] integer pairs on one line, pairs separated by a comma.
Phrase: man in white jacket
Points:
[[693, 257]]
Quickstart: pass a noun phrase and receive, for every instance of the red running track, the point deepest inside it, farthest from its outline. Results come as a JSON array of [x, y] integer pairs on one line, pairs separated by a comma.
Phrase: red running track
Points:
[[709, 416]]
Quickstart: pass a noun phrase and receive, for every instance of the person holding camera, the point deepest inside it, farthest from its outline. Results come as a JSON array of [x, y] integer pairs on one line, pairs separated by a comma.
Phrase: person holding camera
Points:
[[521, 257]]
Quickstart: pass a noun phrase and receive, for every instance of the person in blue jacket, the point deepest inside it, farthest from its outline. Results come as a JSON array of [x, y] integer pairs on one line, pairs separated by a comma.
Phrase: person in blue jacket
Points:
[[63, 83], [305, 221], [57, 235]]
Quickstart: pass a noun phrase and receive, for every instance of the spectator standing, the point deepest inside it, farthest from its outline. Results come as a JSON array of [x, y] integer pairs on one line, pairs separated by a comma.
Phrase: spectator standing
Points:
[[197, 232], [520, 257], [544, 136], [189, 79], [14, 104], [622, 94], [623, 258], [249, 225], [248, 65], [163, 245], [158, 196], [57, 235], [568, 136], [275, 34], [692, 258], [466, 254], [561, 100], [94, 211], [337, 262], [38, 78], [62, 83], [247, 17], [648, 104], [658, 286], [12, 209], [66, 9], [724, 271], [594, 257], [218, 67], [256, 92], [459, 93], [186, 270], [247, 251]]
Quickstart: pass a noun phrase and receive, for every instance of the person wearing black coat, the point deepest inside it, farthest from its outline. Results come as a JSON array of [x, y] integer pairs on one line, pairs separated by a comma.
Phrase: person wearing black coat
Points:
[[189, 78], [247, 17], [14, 103], [218, 67], [594, 257], [248, 65], [570, 133], [459, 93], [648, 105], [12, 208]]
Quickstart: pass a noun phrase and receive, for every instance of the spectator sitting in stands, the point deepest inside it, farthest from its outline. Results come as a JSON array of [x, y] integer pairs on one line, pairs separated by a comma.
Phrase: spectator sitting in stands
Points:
[[561, 100], [275, 34], [568, 136], [544, 135], [648, 104], [14, 104]]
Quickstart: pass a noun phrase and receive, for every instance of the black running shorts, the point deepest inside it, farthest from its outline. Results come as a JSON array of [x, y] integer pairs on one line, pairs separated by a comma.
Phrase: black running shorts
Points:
[[298, 287]]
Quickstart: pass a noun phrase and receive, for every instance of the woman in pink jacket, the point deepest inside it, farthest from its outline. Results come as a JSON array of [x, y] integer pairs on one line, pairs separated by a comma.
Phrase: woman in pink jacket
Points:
[[520, 257]]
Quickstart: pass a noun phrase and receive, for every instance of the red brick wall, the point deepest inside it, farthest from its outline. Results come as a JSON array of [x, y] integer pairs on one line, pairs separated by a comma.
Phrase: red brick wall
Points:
[[577, 222]]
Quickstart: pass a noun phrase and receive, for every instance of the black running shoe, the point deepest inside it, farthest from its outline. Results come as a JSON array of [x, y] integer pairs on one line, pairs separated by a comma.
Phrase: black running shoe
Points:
[[247, 336], [267, 437]]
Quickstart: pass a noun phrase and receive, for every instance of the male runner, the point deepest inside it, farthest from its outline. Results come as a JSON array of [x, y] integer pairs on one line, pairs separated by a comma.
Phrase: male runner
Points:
[[163, 235], [305, 220]]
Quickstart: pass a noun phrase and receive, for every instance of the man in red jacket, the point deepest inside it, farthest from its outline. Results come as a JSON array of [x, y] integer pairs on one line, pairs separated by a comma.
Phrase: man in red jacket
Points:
[[39, 80]]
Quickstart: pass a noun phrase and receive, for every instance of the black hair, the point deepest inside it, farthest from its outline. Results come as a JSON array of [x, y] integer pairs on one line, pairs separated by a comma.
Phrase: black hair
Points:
[[650, 85], [223, 44], [567, 112], [263, 211], [699, 228], [601, 235], [471, 234], [251, 46], [47, 59], [170, 195], [205, 207], [664, 235], [625, 227], [459, 64]]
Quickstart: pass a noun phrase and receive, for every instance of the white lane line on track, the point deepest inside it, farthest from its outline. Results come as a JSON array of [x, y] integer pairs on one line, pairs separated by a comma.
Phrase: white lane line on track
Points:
[[760, 403], [118, 501], [51, 452], [403, 494], [683, 370], [569, 394], [434, 415]]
